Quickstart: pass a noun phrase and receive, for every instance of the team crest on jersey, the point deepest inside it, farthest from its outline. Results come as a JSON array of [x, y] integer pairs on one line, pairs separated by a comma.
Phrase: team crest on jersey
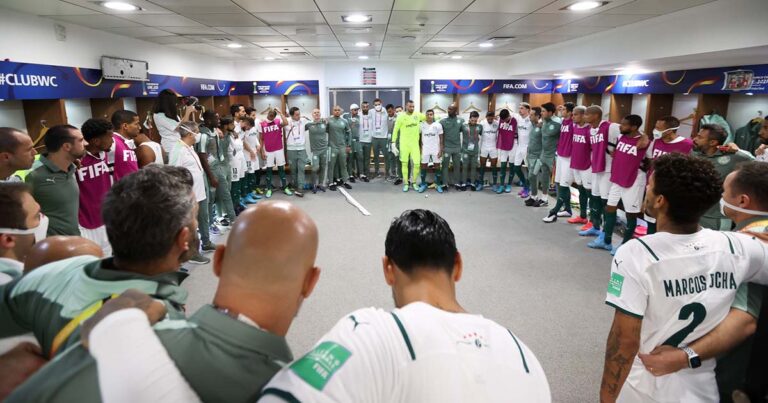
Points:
[[473, 339], [723, 160]]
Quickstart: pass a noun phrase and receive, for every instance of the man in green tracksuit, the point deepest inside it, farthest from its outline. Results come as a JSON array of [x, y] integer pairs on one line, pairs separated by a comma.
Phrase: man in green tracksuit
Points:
[[318, 140], [354, 159], [452, 146], [52, 300], [380, 141], [550, 135], [407, 133], [214, 150], [470, 150], [340, 140], [707, 143], [227, 350]]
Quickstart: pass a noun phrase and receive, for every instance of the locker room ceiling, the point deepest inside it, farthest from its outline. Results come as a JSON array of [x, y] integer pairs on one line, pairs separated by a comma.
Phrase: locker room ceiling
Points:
[[314, 30]]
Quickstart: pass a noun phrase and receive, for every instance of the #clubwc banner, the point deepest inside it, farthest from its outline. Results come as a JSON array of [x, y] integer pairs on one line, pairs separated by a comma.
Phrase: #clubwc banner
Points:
[[39, 81]]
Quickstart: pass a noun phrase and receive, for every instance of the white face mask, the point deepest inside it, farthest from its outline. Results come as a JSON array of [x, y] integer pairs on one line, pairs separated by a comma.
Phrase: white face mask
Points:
[[197, 137], [40, 232], [658, 133], [724, 204]]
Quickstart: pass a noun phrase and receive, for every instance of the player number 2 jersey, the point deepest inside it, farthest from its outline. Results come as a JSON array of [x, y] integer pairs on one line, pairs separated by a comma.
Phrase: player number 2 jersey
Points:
[[682, 287], [417, 353]]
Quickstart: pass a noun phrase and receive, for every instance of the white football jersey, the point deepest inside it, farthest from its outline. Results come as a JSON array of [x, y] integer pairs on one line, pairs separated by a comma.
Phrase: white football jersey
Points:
[[490, 134], [524, 127], [417, 353], [252, 138], [430, 137], [682, 287]]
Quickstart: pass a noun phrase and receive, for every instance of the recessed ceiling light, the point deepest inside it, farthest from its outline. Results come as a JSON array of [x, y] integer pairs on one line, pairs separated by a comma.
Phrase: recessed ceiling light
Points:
[[362, 44], [269, 58], [356, 18], [486, 45], [585, 5], [120, 6], [363, 57], [234, 45], [456, 57]]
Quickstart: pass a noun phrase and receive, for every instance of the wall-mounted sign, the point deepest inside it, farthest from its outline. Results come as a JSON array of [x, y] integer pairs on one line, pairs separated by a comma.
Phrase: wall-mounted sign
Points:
[[369, 75], [485, 86], [39, 81]]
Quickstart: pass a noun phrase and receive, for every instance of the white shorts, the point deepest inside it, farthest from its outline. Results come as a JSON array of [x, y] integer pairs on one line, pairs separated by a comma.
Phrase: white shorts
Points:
[[631, 196], [238, 168], [489, 152], [583, 177], [99, 237], [601, 184], [520, 152], [275, 158], [563, 171], [426, 157], [506, 155], [251, 166]]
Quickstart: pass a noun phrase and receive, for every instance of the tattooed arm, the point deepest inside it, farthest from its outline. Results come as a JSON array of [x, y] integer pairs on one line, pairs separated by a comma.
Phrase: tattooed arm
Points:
[[620, 350]]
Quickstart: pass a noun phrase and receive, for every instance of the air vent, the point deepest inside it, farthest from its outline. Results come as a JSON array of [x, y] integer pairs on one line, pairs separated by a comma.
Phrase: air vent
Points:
[[501, 38], [294, 54], [409, 38], [358, 30], [413, 30]]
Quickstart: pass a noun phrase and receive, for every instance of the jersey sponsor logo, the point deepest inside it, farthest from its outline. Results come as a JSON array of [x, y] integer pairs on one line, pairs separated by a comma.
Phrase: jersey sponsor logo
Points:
[[92, 171], [658, 153], [129, 155], [596, 138], [318, 366], [473, 339], [698, 284], [616, 282], [580, 138]]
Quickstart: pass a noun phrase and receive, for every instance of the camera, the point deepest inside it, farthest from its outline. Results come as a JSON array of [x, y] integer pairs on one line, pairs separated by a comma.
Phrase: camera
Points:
[[191, 101]]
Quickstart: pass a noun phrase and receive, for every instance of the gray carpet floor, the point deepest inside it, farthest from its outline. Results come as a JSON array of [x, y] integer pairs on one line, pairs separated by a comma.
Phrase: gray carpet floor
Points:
[[539, 280]]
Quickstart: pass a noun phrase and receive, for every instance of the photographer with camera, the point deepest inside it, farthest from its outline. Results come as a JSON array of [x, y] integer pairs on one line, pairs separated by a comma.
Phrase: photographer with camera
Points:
[[166, 117]]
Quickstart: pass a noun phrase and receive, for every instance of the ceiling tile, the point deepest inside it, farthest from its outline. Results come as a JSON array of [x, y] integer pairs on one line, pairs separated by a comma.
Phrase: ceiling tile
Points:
[[455, 38], [196, 3], [557, 6], [262, 6], [167, 40], [263, 38], [199, 30], [46, 7], [422, 17], [577, 30], [325, 51], [138, 32], [377, 17], [515, 29], [613, 20], [505, 6], [549, 19], [248, 30], [98, 21], [491, 19], [317, 40], [354, 5], [445, 44], [280, 49], [185, 9], [414, 29], [656, 6], [292, 18], [432, 5], [161, 20], [362, 31], [228, 20], [304, 30], [467, 30], [285, 44]]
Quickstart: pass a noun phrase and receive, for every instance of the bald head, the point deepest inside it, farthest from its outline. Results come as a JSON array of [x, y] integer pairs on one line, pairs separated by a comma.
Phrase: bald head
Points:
[[272, 246], [55, 248]]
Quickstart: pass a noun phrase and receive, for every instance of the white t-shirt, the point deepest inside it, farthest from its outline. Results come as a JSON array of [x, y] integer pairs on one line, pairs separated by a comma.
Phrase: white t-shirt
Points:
[[157, 149], [252, 138], [183, 155], [490, 134], [614, 132], [524, 127], [417, 353], [430, 137], [167, 129], [296, 134], [682, 287]]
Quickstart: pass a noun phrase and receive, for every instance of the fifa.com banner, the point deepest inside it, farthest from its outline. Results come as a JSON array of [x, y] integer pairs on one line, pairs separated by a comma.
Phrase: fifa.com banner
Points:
[[723, 80], [485, 86], [39, 81]]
